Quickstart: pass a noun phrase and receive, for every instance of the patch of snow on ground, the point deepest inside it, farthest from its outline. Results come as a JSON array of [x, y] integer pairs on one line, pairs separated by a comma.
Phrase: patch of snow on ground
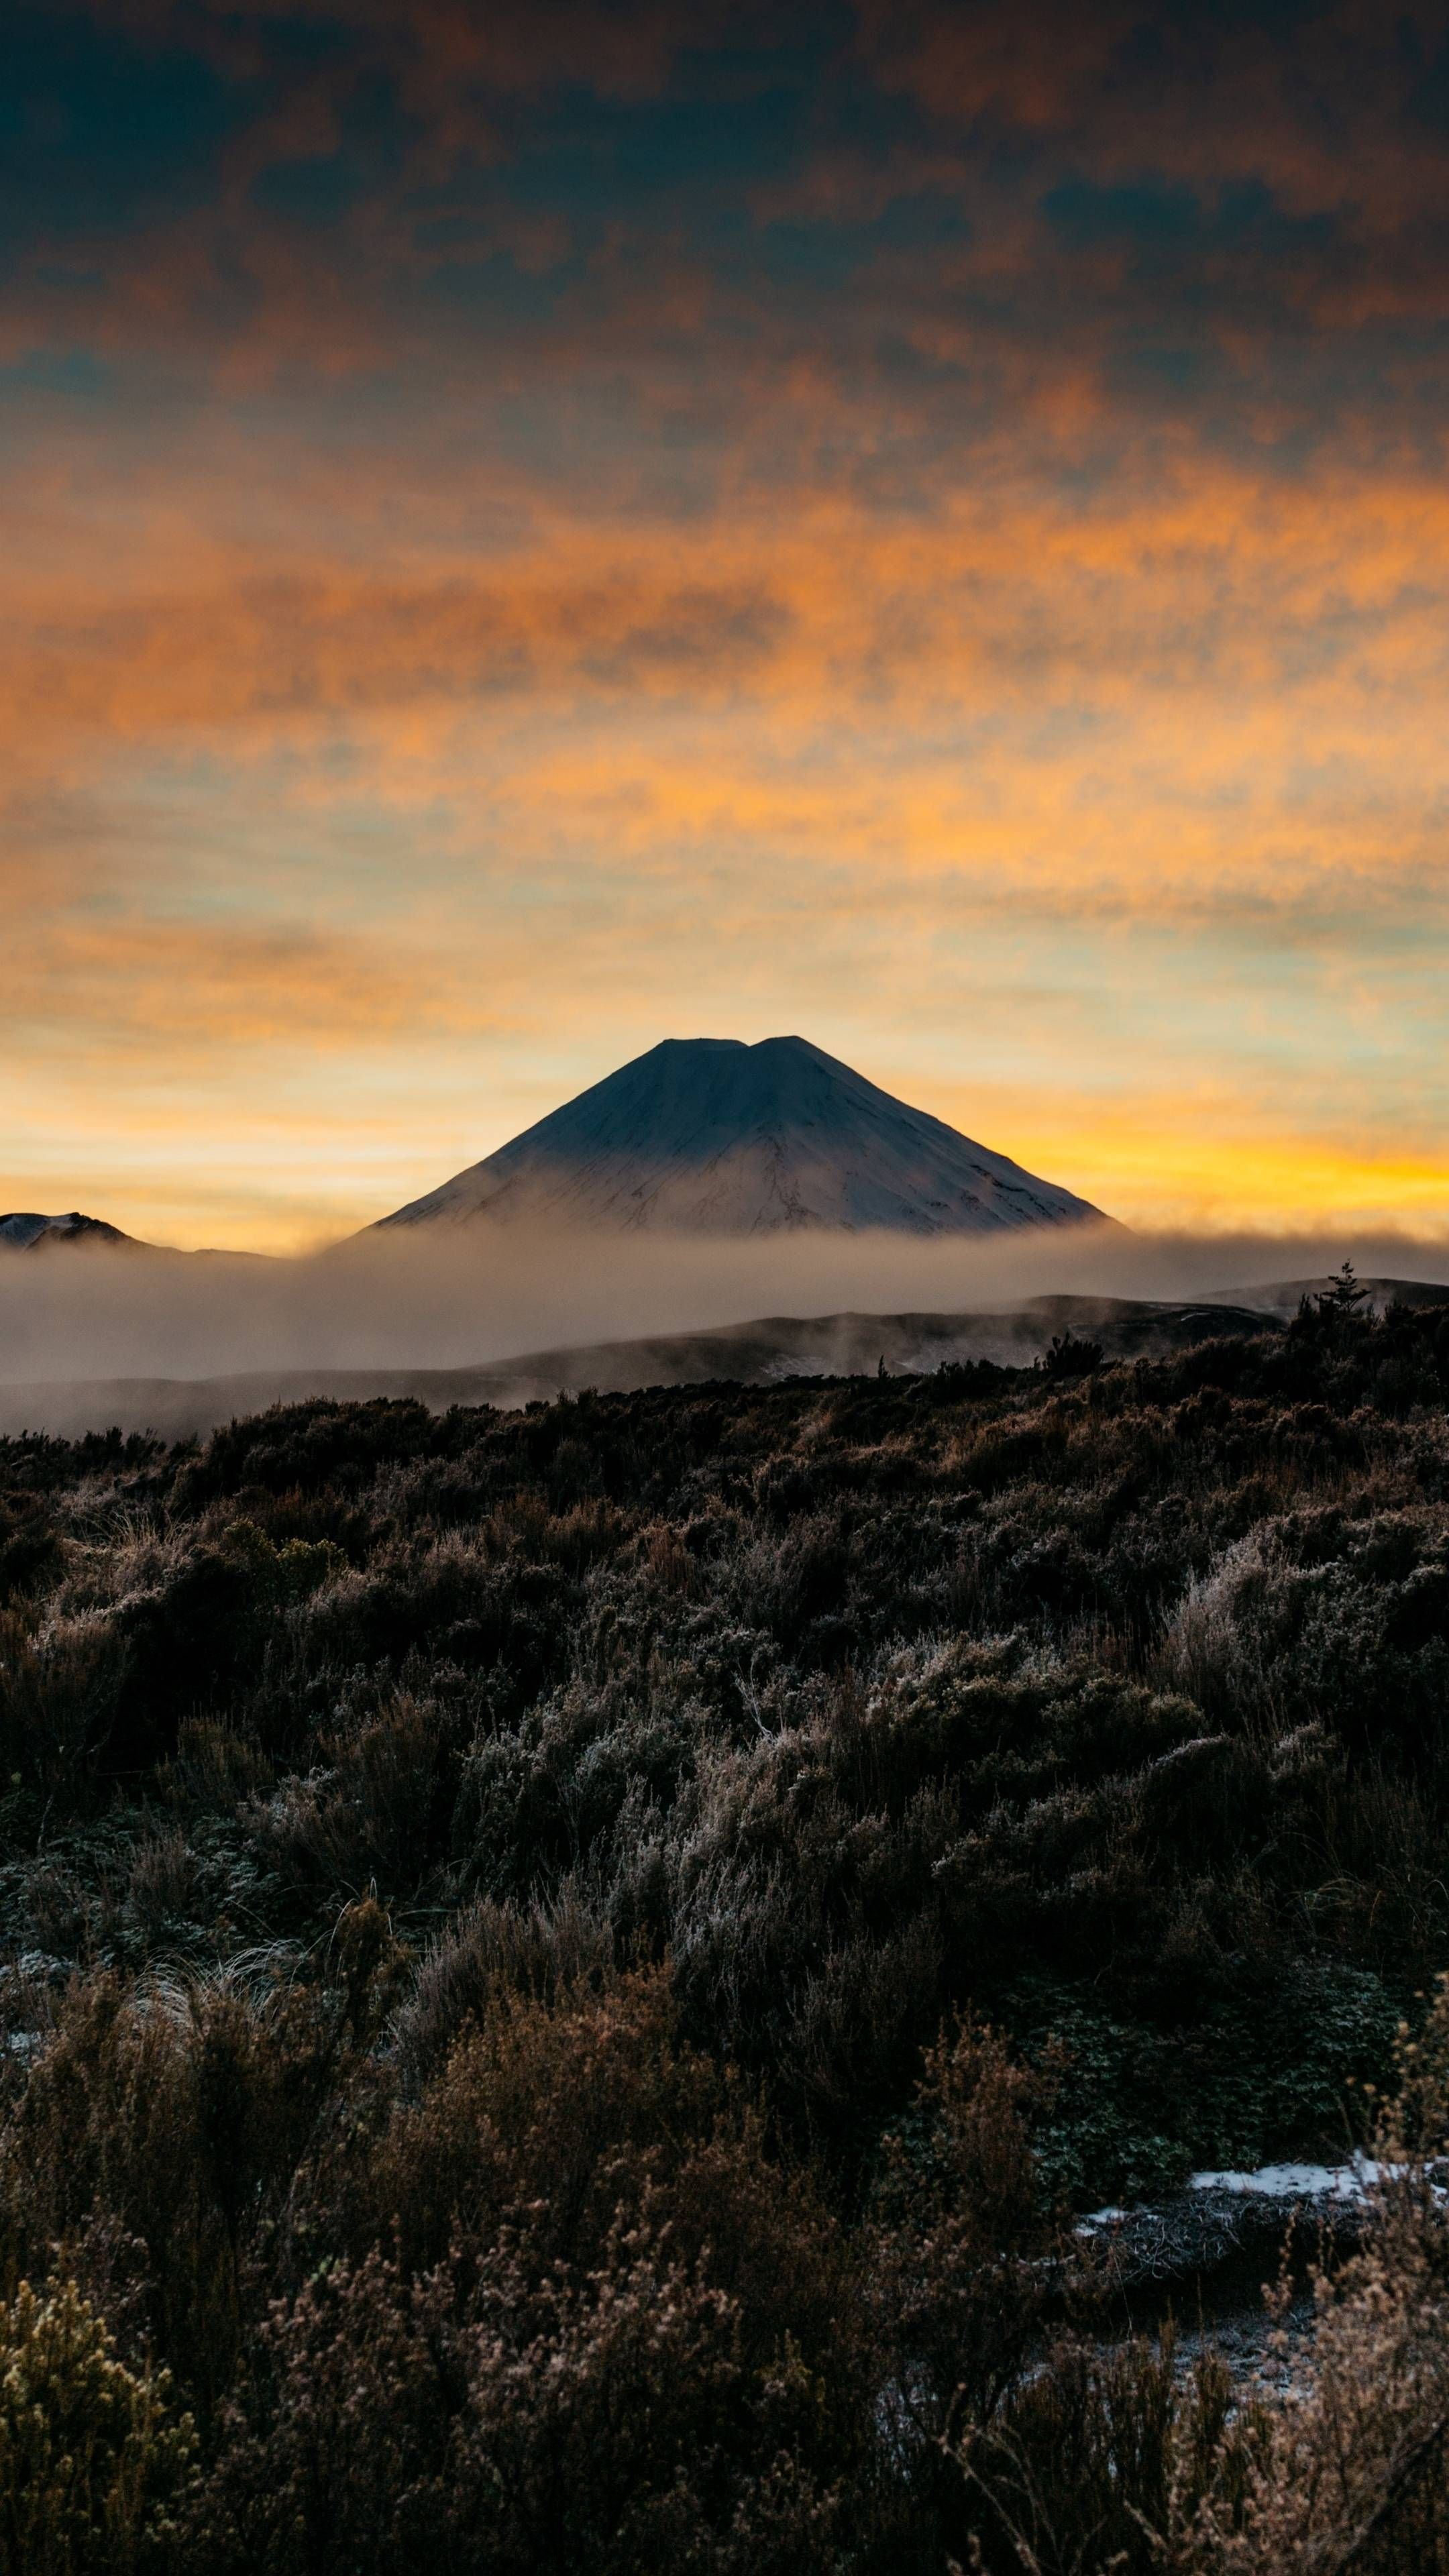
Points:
[[1296, 2182]]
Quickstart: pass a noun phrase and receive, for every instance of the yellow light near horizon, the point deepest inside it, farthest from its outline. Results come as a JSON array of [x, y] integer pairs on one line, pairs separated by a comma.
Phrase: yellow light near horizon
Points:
[[1153, 1176], [1151, 1170]]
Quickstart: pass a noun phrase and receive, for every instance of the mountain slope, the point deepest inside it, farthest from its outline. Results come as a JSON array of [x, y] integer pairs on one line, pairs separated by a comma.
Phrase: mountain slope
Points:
[[710, 1136]]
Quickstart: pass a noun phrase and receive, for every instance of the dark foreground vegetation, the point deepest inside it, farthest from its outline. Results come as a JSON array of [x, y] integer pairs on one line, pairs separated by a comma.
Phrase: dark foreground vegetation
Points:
[[566, 1972]]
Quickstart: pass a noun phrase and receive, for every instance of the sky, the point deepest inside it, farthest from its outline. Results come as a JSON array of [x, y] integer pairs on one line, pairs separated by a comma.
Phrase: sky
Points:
[[526, 532]]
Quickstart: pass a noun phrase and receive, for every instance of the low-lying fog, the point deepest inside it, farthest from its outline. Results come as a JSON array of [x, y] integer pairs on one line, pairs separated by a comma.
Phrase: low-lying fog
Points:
[[474, 1299]]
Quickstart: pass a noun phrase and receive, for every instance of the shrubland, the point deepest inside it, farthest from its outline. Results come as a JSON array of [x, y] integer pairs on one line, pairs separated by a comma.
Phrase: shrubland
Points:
[[566, 1973]]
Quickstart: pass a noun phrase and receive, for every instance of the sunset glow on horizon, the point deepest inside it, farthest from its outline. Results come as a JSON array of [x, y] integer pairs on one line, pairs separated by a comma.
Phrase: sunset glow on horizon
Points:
[[923, 527]]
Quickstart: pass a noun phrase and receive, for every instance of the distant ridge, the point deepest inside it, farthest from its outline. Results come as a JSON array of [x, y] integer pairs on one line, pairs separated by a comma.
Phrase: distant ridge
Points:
[[768, 1351], [24, 1231], [1284, 1296], [710, 1136]]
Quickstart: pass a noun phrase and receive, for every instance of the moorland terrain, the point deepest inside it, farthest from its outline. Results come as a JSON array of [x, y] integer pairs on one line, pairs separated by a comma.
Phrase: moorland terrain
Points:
[[571, 1974]]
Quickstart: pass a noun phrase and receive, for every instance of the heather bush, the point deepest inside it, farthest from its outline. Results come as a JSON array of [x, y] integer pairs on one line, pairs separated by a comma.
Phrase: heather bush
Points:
[[963, 2246], [503, 2423]]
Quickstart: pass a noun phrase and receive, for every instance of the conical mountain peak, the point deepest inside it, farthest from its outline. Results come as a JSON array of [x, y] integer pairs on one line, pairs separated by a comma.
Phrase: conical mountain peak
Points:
[[713, 1136]]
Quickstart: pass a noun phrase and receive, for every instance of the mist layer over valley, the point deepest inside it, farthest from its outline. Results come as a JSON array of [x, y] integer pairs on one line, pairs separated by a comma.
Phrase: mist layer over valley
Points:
[[91, 1334]]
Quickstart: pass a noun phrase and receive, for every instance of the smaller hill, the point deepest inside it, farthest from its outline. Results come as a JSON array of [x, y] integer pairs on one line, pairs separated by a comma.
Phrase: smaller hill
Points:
[[26, 1231]]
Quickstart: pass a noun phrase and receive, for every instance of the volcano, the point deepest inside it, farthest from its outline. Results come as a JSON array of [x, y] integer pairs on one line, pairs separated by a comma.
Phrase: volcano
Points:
[[711, 1136]]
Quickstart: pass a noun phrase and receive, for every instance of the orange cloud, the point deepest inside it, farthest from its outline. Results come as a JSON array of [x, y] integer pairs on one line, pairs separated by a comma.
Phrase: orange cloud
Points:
[[1222, 683]]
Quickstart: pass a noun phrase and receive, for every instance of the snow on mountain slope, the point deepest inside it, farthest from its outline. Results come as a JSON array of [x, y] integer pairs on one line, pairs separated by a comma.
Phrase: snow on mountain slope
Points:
[[24, 1231], [710, 1136]]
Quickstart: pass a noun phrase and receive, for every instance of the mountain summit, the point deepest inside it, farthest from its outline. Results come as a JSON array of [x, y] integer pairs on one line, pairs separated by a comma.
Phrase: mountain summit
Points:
[[710, 1136]]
